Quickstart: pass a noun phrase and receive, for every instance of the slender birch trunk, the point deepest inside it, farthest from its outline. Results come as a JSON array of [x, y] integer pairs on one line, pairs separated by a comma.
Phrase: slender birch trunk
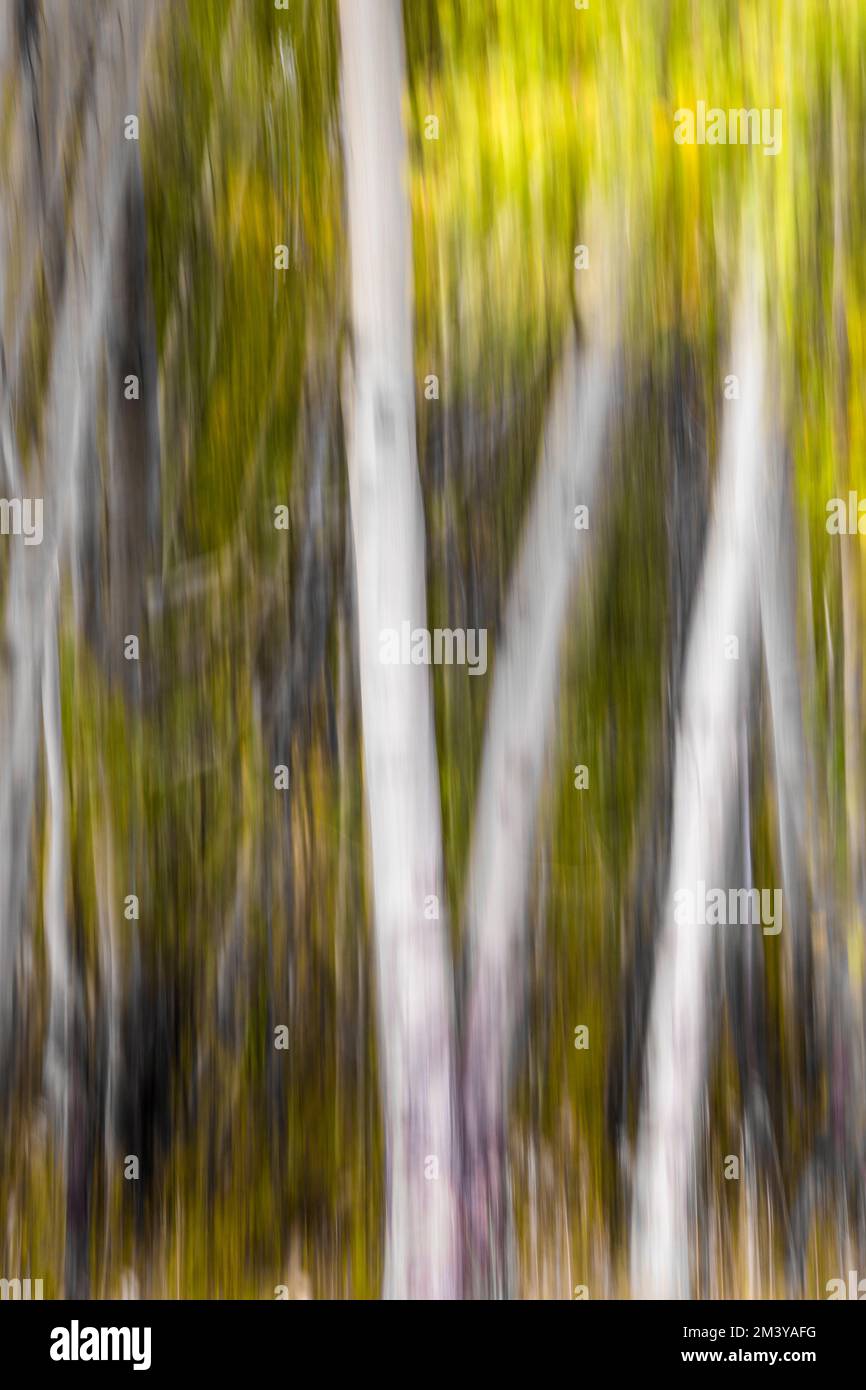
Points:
[[416, 1013], [520, 726], [30, 678], [65, 1064], [791, 757], [707, 760], [57, 949]]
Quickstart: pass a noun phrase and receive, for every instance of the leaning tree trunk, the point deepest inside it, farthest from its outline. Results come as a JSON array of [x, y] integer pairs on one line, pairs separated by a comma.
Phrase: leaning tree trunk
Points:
[[793, 758], [707, 761], [416, 1022], [520, 725]]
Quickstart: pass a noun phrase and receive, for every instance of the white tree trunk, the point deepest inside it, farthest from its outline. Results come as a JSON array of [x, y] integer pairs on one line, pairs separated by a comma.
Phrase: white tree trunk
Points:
[[94, 217], [792, 759], [705, 809], [60, 968], [520, 722], [416, 1013]]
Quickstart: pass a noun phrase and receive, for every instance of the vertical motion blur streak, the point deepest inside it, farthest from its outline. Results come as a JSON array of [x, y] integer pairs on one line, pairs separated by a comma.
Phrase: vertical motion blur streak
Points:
[[432, 587]]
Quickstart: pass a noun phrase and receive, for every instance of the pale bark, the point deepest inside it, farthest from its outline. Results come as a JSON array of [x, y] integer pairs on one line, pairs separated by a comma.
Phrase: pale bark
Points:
[[65, 1080], [416, 1014], [705, 809], [60, 972], [33, 571], [54, 51], [520, 726], [791, 757]]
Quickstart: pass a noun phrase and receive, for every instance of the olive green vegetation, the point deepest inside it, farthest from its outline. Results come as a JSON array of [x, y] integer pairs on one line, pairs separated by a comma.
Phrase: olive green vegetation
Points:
[[263, 1167]]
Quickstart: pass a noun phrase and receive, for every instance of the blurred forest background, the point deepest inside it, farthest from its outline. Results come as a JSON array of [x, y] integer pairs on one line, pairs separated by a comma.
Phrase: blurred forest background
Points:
[[166, 904]]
